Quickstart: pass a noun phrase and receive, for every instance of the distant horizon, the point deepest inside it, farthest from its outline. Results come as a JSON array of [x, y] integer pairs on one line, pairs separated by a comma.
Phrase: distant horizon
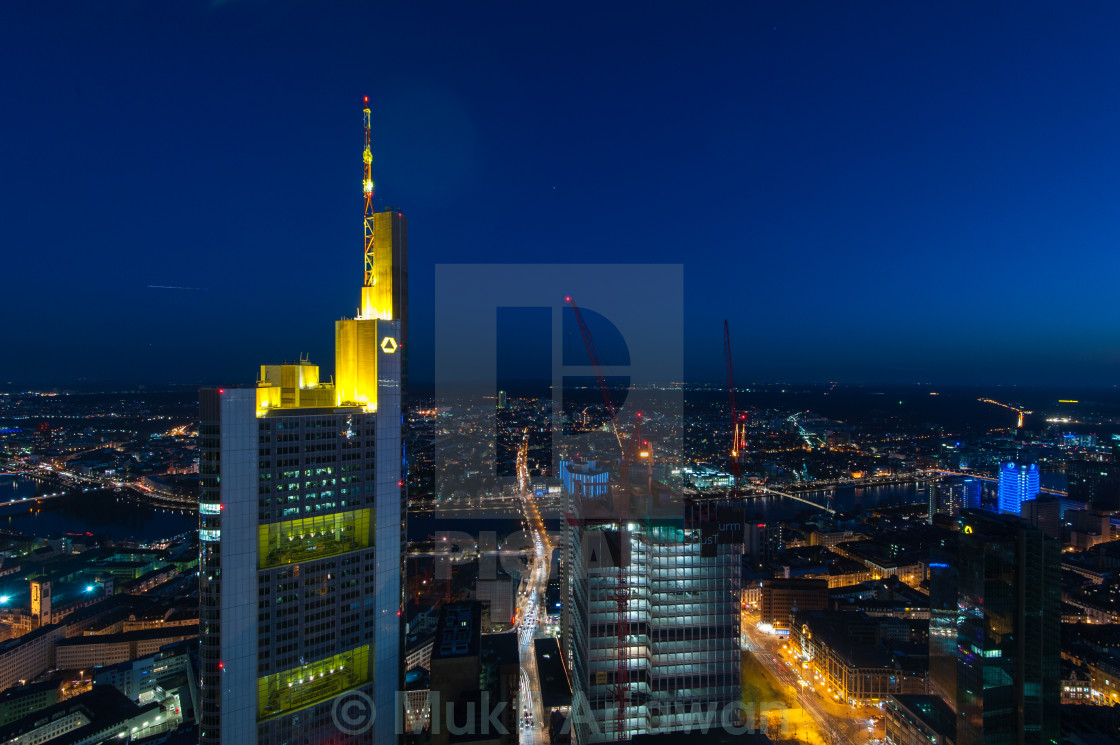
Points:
[[112, 386]]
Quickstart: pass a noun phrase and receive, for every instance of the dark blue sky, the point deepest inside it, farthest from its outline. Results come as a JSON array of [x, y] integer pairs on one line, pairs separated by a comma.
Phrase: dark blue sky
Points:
[[893, 191]]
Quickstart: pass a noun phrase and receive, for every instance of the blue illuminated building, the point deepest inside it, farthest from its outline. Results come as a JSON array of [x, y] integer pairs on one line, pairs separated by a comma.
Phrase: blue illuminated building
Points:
[[584, 478], [1017, 484], [971, 488]]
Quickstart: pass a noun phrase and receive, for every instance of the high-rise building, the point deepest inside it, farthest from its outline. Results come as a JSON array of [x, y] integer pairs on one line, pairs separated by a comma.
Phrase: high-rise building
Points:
[[1094, 483], [302, 520], [945, 498], [948, 498], [1017, 484], [474, 678], [1087, 528], [995, 621], [763, 541], [1045, 513], [584, 478], [972, 491], [651, 617]]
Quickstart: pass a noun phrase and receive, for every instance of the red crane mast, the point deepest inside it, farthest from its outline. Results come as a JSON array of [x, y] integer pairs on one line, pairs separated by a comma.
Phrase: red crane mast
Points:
[[621, 595], [738, 439]]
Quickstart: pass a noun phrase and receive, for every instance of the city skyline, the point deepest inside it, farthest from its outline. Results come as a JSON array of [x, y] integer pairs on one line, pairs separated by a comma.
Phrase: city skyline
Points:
[[759, 385], [854, 189]]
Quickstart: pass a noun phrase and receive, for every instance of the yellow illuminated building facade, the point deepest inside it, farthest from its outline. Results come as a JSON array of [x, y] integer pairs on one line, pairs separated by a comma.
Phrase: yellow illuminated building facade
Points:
[[306, 685], [310, 538], [355, 355], [383, 297], [301, 524], [387, 272], [292, 386]]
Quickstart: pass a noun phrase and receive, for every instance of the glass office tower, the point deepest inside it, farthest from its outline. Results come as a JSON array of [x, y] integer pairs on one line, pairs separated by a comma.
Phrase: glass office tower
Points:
[[651, 622], [1006, 579]]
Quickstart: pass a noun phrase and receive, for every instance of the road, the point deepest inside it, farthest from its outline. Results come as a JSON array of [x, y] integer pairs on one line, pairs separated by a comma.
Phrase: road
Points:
[[844, 726], [529, 602]]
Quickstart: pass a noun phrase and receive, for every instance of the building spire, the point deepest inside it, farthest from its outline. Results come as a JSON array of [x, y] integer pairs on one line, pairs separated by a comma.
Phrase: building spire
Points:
[[367, 189]]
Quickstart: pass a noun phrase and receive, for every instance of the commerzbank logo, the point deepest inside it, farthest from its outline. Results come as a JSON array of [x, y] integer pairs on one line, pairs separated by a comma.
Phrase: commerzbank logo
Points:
[[388, 345]]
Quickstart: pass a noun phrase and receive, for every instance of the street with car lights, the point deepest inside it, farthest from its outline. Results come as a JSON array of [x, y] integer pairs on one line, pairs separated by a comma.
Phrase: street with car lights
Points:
[[529, 602], [836, 723]]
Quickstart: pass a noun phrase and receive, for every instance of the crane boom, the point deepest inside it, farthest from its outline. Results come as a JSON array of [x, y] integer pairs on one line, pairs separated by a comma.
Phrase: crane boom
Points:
[[730, 368], [1018, 410], [593, 353]]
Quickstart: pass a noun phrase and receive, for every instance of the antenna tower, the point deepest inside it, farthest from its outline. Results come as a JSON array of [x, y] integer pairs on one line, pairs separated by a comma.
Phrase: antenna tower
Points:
[[367, 190]]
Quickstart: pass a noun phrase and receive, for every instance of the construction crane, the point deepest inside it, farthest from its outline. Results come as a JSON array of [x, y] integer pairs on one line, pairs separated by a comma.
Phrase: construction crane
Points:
[[1021, 412], [738, 421], [621, 594], [601, 379]]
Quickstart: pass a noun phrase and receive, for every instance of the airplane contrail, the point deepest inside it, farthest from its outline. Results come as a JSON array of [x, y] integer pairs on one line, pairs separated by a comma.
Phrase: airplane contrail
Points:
[[170, 287]]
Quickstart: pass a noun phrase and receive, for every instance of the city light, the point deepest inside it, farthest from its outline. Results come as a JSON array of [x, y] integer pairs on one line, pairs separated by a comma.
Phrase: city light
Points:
[[879, 560]]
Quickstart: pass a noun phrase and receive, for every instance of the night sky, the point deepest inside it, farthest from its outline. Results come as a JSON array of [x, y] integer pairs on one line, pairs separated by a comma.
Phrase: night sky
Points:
[[880, 192]]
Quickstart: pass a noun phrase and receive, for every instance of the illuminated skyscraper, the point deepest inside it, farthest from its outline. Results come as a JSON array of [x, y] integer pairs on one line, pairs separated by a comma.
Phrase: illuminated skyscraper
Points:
[[945, 498], [972, 491], [995, 621], [1017, 484], [651, 618], [948, 498], [302, 519]]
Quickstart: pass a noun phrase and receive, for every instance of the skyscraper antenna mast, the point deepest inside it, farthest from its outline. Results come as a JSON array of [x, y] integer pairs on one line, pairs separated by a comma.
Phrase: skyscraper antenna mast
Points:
[[367, 189]]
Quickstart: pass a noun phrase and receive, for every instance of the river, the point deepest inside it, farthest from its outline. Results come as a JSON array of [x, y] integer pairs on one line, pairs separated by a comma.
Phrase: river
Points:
[[101, 512], [845, 499]]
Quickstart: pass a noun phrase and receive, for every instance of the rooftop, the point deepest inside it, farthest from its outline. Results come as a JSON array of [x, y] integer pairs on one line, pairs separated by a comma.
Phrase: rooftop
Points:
[[556, 689], [931, 711]]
